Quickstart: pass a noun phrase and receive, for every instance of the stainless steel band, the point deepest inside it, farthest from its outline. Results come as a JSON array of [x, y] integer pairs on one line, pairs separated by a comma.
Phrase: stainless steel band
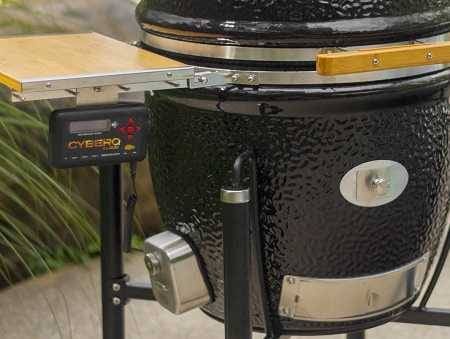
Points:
[[279, 77], [335, 300], [231, 52], [253, 78], [235, 196]]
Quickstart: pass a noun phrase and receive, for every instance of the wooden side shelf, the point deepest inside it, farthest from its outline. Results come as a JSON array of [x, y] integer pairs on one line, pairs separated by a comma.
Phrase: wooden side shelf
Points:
[[71, 61]]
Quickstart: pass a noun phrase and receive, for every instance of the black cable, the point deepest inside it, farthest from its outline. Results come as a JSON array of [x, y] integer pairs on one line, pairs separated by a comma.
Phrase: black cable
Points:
[[223, 93], [131, 206], [258, 249], [272, 331], [133, 172], [237, 168]]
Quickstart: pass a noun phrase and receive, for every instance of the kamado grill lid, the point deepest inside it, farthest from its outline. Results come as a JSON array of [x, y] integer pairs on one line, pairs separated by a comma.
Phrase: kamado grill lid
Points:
[[299, 23]]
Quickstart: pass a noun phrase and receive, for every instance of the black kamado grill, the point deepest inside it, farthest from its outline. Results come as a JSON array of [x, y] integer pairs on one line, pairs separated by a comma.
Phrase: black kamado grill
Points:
[[351, 171], [298, 149]]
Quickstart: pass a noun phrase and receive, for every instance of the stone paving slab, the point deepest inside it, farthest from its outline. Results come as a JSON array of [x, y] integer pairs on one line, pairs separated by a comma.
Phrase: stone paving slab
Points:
[[66, 305]]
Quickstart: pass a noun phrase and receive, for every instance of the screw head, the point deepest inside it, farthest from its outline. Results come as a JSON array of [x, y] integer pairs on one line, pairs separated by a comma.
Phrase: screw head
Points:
[[117, 301], [376, 61], [235, 77], [429, 56], [116, 287], [251, 78], [379, 185], [169, 74], [48, 85], [202, 79], [153, 264]]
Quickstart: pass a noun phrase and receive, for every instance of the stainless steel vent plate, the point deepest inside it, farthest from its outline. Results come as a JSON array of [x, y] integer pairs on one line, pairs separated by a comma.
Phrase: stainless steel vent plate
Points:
[[334, 300]]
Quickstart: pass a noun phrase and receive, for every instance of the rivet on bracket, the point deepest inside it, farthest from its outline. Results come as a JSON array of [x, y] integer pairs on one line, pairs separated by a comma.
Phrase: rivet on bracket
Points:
[[252, 78], [202, 79]]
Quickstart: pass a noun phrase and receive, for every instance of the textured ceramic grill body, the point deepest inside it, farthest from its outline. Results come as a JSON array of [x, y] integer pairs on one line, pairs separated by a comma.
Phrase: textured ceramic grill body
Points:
[[299, 22], [305, 140]]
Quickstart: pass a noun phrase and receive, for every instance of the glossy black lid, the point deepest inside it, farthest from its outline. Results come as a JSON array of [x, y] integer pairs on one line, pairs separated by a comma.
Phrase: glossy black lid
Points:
[[299, 23]]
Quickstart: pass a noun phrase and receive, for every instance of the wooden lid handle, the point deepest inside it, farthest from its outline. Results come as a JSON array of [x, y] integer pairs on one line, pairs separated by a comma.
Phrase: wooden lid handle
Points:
[[370, 60]]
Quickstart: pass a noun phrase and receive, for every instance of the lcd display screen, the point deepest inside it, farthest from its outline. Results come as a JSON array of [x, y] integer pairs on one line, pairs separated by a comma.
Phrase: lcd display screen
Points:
[[91, 126]]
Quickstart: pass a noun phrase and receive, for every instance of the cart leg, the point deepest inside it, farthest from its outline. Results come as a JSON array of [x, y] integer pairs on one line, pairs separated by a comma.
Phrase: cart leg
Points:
[[356, 335], [111, 251], [236, 249]]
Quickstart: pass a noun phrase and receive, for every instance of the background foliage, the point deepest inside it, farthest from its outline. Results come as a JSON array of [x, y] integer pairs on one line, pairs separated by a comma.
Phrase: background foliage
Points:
[[44, 219]]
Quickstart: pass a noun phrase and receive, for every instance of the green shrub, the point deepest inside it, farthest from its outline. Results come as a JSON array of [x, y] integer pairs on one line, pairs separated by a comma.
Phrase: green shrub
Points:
[[44, 220]]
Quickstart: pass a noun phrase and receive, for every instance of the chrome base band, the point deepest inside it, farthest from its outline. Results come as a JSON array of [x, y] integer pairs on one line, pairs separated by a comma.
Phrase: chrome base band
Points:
[[336, 300], [230, 52], [235, 196]]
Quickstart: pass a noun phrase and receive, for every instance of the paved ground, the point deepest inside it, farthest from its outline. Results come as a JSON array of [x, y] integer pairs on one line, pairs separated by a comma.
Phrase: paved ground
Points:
[[66, 305]]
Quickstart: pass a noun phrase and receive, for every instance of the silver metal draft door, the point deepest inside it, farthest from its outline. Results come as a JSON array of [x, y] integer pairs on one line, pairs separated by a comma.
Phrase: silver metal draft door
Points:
[[335, 300]]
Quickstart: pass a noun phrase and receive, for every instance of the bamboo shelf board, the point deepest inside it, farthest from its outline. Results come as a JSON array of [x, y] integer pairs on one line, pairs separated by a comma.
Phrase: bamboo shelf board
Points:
[[73, 59]]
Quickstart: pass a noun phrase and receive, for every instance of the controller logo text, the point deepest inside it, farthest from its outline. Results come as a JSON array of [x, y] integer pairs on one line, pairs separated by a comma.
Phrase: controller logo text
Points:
[[104, 144]]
